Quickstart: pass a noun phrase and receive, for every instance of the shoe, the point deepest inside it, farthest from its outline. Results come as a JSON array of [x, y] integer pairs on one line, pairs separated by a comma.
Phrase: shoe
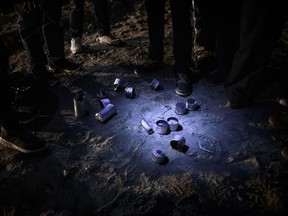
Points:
[[108, 40], [237, 105], [183, 85], [26, 115], [279, 121], [22, 141], [148, 67], [213, 78], [204, 60], [76, 46], [238, 100], [64, 65]]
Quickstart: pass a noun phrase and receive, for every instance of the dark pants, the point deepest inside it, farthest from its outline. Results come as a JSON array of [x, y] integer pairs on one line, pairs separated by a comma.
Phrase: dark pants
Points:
[[39, 26], [249, 31], [102, 19], [204, 23], [182, 32], [7, 118]]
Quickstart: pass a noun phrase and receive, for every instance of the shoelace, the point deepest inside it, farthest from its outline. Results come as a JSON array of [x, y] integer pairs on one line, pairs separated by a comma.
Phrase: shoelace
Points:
[[182, 78]]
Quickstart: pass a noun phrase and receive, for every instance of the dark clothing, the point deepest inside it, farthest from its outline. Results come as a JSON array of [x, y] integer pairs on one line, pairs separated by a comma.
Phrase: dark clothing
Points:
[[39, 26], [7, 118], [248, 33], [204, 23], [182, 32], [102, 19]]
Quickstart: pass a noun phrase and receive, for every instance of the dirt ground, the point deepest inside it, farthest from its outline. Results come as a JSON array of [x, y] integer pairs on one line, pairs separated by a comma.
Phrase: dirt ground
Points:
[[230, 164]]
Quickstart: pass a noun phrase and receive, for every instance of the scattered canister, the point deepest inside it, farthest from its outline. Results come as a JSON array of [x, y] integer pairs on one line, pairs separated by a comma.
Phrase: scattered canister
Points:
[[180, 108], [178, 142], [158, 156], [79, 104], [104, 102], [155, 85], [117, 84], [173, 123], [191, 104], [161, 127], [146, 126], [129, 92], [105, 113]]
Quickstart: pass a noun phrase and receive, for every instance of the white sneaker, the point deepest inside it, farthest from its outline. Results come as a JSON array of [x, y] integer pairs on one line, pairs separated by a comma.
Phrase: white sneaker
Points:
[[76, 46], [108, 40]]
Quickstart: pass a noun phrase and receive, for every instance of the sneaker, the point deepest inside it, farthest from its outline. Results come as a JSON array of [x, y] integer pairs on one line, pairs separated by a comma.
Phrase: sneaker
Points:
[[108, 40], [148, 67], [183, 85], [22, 141], [213, 78], [279, 121], [64, 65], [76, 46]]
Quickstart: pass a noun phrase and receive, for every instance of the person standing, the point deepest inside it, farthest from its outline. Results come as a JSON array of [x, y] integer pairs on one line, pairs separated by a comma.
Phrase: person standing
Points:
[[182, 41], [204, 42], [12, 135], [39, 25], [102, 22], [248, 32]]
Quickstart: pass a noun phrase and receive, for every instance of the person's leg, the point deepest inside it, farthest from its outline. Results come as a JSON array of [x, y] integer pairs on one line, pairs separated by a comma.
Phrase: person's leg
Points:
[[29, 27], [249, 74], [155, 20], [76, 16], [227, 37], [11, 134], [102, 21], [182, 45], [204, 35], [54, 37]]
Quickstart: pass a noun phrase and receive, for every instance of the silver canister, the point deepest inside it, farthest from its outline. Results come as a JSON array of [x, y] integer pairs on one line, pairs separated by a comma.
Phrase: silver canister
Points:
[[191, 104], [173, 123], [130, 92], [178, 142], [180, 108], [104, 102], [105, 113], [155, 85], [158, 156], [117, 84], [146, 126], [79, 104], [161, 127]]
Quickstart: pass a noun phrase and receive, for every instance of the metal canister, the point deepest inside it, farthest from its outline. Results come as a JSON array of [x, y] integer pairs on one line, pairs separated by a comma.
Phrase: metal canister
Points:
[[105, 113], [180, 108], [173, 123], [104, 102], [191, 104], [158, 156], [130, 92], [146, 126], [162, 127], [117, 84], [155, 85], [79, 104]]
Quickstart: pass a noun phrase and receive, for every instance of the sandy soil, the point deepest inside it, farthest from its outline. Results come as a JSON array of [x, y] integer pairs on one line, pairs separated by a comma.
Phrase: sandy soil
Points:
[[231, 165]]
